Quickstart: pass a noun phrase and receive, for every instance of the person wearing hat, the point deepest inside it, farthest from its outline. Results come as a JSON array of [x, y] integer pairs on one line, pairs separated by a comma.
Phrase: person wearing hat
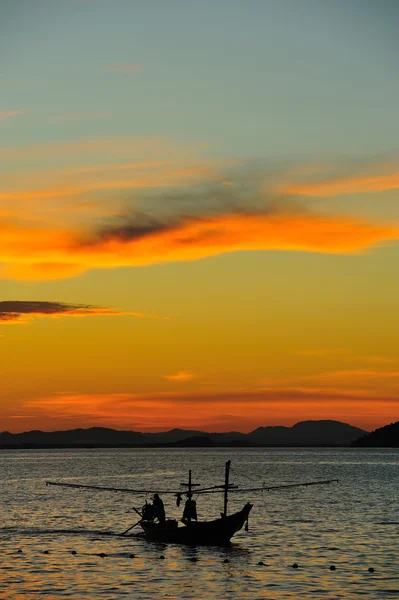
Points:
[[159, 510]]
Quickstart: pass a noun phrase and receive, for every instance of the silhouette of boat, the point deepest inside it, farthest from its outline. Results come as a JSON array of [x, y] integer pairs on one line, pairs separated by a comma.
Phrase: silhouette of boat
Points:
[[193, 533], [190, 531]]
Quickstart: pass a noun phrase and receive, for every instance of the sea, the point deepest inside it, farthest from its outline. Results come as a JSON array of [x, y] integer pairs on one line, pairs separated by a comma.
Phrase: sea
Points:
[[335, 541]]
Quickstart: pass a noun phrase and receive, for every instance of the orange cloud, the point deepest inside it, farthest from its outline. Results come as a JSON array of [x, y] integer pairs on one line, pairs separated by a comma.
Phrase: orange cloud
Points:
[[36, 253], [335, 185], [354, 375], [167, 178], [58, 173], [46, 222], [180, 376], [380, 359]]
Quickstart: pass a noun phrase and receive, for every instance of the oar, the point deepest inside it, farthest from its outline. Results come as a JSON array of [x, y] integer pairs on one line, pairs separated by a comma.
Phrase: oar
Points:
[[125, 532]]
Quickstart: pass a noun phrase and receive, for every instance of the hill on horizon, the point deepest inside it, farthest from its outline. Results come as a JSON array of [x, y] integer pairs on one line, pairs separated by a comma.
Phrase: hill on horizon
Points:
[[326, 432], [384, 437]]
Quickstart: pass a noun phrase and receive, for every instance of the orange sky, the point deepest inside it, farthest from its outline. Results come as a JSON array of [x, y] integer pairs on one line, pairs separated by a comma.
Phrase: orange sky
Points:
[[229, 411], [270, 312]]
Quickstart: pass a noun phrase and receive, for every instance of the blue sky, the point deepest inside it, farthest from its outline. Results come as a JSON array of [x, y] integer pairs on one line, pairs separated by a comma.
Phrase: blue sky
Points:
[[250, 79]]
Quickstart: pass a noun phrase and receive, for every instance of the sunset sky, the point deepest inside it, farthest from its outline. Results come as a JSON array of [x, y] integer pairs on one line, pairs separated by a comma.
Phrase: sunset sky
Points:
[[199, 213]]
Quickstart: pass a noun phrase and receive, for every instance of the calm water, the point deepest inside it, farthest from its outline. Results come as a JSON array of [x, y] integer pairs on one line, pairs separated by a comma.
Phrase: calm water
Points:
[[352, 524]]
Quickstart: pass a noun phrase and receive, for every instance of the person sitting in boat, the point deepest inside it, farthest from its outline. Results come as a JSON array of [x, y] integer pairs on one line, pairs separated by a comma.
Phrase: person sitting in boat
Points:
[[148, 512], [159, 510]]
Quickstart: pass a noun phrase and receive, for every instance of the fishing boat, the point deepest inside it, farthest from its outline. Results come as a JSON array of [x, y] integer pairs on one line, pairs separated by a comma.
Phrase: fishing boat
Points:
[[191, 531]]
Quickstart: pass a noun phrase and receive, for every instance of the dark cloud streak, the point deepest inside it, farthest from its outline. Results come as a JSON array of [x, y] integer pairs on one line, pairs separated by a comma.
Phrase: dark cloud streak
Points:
[[9, 309], [20, 311], [169, 210]]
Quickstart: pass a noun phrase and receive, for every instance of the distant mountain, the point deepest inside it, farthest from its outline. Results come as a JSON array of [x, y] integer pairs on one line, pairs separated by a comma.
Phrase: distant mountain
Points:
[[305, 433], [384, 437], [308, 433], [271, 435], [95, 436], [75, 437]]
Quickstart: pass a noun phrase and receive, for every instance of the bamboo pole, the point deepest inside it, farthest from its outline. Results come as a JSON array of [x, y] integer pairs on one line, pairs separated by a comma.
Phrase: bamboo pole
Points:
[[226, 487]]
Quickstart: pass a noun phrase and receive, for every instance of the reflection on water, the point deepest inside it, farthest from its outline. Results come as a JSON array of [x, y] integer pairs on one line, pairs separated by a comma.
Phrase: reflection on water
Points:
[[352, 525]]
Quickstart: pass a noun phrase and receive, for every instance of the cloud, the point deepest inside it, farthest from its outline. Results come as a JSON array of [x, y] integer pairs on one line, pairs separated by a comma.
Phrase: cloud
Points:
[[163, 178], [333, 182], [21, 311], [38, 253], [363, 380], [96, 168], [180, 376], [126, 68], [8, 114], [156, 202], [348, 375], [380, 359], [188, 238]]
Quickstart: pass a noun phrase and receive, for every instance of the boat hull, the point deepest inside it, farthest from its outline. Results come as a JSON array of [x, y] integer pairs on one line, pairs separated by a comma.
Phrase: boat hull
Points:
[[210, 533]]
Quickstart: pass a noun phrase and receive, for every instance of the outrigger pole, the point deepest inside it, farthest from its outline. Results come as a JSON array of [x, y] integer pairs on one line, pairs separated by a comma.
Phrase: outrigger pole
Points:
[[109, 489], [271, 488], [208, 490]]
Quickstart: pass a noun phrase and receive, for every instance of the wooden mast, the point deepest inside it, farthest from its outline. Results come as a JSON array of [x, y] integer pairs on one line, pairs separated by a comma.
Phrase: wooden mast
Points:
[[226, 487], [189, 493]]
